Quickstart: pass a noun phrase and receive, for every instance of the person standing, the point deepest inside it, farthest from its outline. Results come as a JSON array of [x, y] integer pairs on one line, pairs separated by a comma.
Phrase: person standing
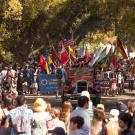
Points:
[[61, 76], [83, 105], [131, 81], [20, 82], [20, 118], [39, 117], [125, 123]]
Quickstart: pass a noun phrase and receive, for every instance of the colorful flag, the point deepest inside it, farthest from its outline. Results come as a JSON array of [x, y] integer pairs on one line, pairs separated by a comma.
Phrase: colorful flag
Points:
[[114, 62], [54, 55], [72, 54], [44, 64], [102, 56], [49, 59], [121, 49], [95, 56], [68, 42], [42, 61], [110, 56], [64, 56]]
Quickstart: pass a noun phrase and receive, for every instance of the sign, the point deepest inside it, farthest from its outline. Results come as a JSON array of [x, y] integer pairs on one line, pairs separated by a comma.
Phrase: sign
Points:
[[48, 83]]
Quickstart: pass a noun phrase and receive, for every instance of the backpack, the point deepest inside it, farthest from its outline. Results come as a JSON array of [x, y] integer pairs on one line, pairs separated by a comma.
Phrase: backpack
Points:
[[59, 73], [20, 123]]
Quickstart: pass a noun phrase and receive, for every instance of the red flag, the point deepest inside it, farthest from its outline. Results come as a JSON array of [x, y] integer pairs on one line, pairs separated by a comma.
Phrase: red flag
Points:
[[121, 49], [54, 55], [44, 64], [42, 61], [64, 56], [114, 62]]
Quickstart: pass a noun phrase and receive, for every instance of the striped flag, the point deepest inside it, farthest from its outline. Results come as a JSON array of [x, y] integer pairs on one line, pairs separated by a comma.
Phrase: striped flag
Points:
[[121, 49]]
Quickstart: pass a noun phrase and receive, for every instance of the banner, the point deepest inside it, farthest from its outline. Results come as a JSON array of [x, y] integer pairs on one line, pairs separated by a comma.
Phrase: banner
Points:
[[48, 83]]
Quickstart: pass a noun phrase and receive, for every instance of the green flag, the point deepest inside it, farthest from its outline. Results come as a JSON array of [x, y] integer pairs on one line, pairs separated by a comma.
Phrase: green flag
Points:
[[102, 57]]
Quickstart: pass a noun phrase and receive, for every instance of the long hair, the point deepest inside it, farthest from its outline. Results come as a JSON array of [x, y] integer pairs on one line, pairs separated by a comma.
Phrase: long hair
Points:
[[67, 107], [97, 118]]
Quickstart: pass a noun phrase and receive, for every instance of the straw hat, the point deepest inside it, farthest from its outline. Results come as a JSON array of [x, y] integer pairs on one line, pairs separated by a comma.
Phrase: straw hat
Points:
[[113, 116], [39, 105], [85, 93], [101, 106]]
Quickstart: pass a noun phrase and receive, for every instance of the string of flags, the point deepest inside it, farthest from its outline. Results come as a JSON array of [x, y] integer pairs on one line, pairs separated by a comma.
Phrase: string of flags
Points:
[[70, 55]]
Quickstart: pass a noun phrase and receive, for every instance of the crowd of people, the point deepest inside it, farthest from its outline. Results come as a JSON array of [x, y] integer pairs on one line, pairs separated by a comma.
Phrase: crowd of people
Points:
[[88, 118], [16, 117]]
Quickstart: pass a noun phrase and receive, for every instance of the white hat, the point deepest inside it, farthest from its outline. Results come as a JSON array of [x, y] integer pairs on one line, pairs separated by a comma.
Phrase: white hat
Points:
[[85, 93], [113, 116]]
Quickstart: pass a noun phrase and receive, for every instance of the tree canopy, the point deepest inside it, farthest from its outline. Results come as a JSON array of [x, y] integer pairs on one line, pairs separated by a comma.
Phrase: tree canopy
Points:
[[28, 25]]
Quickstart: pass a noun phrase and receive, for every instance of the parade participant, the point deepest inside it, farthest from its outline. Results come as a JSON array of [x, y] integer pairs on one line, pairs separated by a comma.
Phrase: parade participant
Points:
[[119, 80], [61, 76], [76, 124], [125, 123], [83, 105], [131, 81], [113, 85]]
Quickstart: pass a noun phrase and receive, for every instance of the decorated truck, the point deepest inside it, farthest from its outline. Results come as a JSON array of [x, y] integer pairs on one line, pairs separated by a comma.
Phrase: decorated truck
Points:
[[79, 79]]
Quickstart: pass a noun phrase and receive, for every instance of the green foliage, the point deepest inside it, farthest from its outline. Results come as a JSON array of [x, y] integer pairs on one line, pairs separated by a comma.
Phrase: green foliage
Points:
[[13, 10], [41, 23]]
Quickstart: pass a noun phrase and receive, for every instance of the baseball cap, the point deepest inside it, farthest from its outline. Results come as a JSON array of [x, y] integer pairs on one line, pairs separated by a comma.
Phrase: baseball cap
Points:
[[57, 131]]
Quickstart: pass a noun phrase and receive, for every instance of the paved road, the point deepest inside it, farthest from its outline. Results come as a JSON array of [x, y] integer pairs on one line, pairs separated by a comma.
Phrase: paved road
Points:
[[109, 102]]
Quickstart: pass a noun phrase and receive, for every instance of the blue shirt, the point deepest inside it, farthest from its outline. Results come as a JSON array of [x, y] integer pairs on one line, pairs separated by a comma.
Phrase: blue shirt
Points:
[[15, 114]]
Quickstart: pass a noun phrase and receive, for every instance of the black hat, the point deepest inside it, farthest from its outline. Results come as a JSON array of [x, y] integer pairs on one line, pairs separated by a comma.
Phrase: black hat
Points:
[[58, 131]]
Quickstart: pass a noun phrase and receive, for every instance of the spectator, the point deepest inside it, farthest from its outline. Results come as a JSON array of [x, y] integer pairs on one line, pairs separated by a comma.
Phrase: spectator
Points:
[[121, 106], [76, 124], [83, 105], [113, 123], [55, 122], [101, 107], [39, 117], [65, 114], [20, 118], [57, 131], [125, 122], [20, 82], [133, 125], [97, 125], [90, 109], [9, 104]]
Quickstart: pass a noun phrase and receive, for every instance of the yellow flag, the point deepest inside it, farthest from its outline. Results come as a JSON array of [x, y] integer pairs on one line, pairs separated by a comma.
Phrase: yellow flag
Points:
[[72, 53]]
